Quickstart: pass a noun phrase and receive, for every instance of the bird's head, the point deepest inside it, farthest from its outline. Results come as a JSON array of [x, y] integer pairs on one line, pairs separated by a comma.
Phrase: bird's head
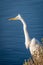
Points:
[[18, 17]]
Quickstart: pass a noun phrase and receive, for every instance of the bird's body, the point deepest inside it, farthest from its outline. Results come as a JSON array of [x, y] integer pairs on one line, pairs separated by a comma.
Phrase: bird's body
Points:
[[36, 50], [34, 45]]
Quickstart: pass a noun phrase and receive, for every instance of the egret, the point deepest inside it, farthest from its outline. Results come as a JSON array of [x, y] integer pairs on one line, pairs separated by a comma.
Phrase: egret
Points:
[[35, 47]]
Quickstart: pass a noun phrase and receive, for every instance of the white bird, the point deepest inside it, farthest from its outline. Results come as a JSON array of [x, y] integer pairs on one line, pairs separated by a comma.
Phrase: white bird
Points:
[[34, 45]]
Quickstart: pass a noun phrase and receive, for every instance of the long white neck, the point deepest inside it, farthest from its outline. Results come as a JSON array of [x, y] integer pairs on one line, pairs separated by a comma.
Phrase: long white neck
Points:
[[27, 38]]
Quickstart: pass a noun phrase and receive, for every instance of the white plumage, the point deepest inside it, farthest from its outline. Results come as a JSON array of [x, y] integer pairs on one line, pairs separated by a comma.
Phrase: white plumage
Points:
[[34, 45]]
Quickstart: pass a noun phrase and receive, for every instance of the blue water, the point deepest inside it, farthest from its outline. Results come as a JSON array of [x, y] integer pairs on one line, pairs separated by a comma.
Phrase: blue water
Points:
[[12, 47]]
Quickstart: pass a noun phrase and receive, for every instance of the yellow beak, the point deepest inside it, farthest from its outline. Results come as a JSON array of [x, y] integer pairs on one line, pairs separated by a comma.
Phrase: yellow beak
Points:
[[12, 19]]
